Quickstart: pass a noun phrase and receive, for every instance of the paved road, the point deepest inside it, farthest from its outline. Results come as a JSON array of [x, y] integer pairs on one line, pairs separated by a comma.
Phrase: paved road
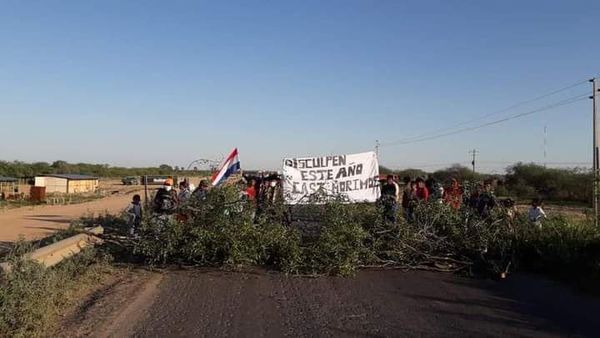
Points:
[[374, 303]]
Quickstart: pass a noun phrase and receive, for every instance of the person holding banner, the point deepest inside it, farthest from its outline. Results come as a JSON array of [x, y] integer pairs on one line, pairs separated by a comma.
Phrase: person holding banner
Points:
[[390, 196]]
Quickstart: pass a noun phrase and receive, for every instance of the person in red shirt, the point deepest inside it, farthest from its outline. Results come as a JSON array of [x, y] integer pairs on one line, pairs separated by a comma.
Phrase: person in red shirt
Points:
[[251, 191], [453, 195], [422, 191]]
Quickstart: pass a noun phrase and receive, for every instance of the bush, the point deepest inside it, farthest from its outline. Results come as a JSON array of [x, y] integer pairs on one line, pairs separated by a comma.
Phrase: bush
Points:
[[31, 295], [218, 231], [338, 248], [531, 180], [561, 247]]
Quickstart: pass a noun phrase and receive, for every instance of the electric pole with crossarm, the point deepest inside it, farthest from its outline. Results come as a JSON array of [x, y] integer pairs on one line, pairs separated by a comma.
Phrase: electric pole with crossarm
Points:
[[595, 164], [473, 152]]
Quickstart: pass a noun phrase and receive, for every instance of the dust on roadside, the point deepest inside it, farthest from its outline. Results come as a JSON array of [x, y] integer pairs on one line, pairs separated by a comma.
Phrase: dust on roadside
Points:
[[102, 310]]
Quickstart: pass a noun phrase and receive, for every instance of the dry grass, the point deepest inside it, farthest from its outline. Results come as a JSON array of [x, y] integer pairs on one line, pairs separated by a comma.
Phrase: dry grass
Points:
[[32, 296]]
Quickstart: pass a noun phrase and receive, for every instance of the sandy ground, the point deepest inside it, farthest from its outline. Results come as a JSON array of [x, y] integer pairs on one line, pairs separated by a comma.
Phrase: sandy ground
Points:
[[35, 222], [213, 303]]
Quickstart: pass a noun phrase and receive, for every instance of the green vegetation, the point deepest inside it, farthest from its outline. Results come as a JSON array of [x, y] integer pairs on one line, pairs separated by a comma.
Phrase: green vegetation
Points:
[[523, 181], [31, 296], [22, 169], [220, 232], [530, 180]]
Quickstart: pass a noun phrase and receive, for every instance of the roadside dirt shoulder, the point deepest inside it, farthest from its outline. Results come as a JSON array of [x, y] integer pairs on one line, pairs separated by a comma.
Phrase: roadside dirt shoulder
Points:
[[113, 308]]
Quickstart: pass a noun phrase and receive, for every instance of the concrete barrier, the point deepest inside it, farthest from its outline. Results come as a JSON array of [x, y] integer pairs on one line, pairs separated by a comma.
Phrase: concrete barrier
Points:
[[54, 253]]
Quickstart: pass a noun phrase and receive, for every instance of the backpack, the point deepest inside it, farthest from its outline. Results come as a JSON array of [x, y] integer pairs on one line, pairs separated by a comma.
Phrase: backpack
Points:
[[164, 201]]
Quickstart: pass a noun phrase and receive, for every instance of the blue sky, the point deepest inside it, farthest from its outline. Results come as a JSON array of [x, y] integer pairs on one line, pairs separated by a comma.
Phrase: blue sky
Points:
[[147, 82]]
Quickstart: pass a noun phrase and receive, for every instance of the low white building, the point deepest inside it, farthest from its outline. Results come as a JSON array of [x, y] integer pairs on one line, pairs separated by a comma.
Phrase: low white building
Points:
[[67, 183]]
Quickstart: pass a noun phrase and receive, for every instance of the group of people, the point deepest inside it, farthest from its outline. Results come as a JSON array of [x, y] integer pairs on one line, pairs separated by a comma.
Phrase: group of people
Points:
[[481, 199], [165, 200], [263, 191], [260, 190]]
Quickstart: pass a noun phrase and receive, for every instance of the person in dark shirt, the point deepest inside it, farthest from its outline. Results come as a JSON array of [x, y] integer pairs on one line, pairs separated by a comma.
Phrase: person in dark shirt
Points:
[[165, 201], [409, 200], [486, 201], [200, 192]]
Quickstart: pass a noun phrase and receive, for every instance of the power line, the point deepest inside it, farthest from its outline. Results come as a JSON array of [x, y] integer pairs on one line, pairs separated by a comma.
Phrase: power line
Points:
[[526, 162], [416, 166], [513, 106], [570, 100]]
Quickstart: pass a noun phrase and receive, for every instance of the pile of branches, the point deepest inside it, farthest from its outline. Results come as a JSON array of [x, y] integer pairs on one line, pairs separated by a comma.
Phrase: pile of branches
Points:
[[223, 230], [444, 239]]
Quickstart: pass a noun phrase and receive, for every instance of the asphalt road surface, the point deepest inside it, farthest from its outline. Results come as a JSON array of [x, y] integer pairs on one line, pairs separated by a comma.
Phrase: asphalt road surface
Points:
[[372, 304]]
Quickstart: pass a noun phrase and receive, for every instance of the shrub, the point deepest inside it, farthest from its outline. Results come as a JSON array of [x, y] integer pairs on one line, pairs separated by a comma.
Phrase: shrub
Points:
[[32, 295], [218, 231], [341, 243], [561, 247], [531, 180]]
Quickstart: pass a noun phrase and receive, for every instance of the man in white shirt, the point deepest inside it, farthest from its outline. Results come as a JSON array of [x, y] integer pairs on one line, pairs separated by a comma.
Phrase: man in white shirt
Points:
[[536, 214]]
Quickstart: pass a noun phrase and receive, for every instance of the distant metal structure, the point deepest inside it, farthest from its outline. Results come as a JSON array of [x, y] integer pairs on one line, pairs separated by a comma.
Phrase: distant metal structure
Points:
[[212, 164]]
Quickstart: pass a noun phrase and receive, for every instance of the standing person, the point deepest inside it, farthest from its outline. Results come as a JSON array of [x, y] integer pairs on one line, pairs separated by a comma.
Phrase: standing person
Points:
[[200, 192], [269, 191], [429, 183], [436, 191], [453, 194], [510, 209], [474, 197], [486, 201], [409, 200], [536, 214], [406, 196], [390, 194], [422, 191], [250, 191], [184, 192], [134, 211], [165, 200]]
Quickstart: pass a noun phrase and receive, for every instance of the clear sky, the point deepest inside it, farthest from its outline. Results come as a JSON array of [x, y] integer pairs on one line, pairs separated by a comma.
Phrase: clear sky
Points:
[[147, 82]]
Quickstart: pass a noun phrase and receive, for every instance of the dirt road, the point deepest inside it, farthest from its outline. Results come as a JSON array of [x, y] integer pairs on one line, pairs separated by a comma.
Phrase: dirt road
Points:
[[374, 303], [40, 221]]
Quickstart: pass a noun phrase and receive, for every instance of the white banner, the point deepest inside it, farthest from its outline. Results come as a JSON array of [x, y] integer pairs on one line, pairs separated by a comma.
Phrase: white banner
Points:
[[354, 177]]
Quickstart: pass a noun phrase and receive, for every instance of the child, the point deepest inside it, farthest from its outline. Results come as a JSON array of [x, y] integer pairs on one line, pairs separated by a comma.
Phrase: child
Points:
[[134, 210], [536, 214]]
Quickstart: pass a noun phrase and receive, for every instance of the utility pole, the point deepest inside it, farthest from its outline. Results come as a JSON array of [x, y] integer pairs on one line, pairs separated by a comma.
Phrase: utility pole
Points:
[[595, 165], [377, 148], [473, 152]]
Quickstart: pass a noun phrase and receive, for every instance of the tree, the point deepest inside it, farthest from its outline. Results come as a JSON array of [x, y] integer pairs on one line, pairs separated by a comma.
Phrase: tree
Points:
[[385, 170], [412, 173], [457, 171], [532, 180]]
